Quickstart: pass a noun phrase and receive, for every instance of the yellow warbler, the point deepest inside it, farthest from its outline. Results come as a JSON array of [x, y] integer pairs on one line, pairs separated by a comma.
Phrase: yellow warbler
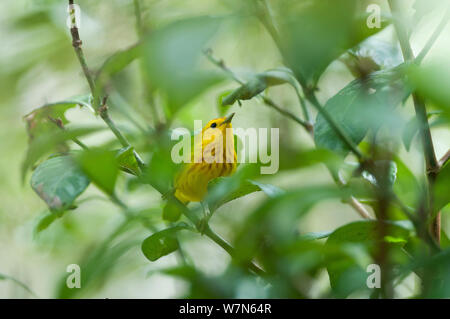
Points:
[[213, 156]]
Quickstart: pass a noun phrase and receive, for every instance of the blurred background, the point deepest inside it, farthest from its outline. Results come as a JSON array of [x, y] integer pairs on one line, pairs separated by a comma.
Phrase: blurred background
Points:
[[38, 66]]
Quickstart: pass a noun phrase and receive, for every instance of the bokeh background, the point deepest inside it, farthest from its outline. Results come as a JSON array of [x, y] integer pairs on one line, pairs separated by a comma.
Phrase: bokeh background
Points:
[[38, 66]]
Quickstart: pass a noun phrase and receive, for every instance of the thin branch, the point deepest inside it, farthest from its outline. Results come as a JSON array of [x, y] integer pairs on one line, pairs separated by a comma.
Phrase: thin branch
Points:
[[359, 208], [104, 114], [231, 251], [437, 32], [209, 232], [76, 43], [311, 96], [432, 166], [306, 125], [60, 124], [103, 111], [267, 101]]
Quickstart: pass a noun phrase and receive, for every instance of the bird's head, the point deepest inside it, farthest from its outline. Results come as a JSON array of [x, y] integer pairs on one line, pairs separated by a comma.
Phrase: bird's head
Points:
[[219, 127]]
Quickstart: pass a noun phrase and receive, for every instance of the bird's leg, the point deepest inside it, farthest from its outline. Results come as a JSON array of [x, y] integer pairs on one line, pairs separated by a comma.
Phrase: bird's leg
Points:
[[203, 223]]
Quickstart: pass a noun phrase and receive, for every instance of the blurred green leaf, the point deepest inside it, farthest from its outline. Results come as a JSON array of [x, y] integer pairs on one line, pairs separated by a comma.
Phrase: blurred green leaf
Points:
[[315, 33], [114, 64], [59, 181], [424, 7], [171, 57], [101, 167], [432, 82], [347, 274], [97, 264], [161, 171], [367, 231], [410, 130], [161, 243], [445, 241], [406, 186], [268, 189], [292, 158], [361, 105], [44, 221], [276, 220]]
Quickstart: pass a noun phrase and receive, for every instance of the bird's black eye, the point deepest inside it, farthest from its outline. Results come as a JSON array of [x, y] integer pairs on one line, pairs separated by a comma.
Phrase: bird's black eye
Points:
[[213, 125]]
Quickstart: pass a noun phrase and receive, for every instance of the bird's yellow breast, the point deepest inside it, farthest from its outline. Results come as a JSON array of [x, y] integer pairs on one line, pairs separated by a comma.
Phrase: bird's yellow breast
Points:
[[192, 182]]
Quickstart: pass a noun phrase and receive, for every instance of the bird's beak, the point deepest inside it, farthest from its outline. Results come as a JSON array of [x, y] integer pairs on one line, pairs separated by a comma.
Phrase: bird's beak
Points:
[[228, 119]]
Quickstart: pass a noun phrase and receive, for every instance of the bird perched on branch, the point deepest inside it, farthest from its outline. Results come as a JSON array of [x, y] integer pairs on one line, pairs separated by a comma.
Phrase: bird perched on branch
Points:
[[213, 156]]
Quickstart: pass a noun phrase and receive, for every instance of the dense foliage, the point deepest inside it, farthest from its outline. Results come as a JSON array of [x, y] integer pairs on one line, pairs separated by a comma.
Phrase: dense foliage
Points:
[[366, 140]]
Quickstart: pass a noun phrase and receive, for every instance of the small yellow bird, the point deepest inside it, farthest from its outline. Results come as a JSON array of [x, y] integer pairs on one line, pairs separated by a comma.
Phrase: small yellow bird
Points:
[[213, 156]]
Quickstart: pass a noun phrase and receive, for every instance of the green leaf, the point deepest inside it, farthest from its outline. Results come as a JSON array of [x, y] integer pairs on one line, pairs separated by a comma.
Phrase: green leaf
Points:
[[171, 56], [161, 243], [45, 143], [101, 167], [59, 181], [361, 105], [38, 121], [258, 83], [441, 188], [245, 92], [127, 161]]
